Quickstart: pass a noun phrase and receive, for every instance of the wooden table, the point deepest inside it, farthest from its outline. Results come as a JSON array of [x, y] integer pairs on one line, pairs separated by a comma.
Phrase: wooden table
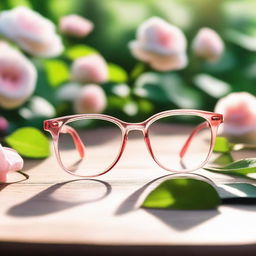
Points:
[[54, 211]]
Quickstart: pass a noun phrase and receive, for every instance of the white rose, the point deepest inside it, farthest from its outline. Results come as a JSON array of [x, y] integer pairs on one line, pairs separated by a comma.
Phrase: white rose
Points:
[[31, 31], [160, 44]]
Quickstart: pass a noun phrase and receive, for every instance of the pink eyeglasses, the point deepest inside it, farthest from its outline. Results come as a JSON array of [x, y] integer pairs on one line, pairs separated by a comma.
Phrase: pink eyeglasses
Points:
[[89, 145]]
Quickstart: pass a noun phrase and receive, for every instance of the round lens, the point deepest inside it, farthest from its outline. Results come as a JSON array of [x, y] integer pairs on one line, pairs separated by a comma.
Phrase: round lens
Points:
[[89, 147], [180, 142]]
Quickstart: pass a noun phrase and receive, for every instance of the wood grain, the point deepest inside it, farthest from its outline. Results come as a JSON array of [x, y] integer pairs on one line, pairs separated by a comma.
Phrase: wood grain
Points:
[[55, 207]]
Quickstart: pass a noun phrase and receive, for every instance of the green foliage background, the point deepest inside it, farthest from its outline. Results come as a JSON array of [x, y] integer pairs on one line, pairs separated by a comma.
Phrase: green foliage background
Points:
[[199, 85]]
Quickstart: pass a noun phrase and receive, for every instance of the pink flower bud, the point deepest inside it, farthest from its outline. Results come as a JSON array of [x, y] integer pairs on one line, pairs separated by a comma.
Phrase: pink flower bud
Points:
[[75, 25], [208, 44], [90, 69], [31, 31], [160, 44], [92, 99], [239, 111], [4, 125], [10, 161], [17, 77]]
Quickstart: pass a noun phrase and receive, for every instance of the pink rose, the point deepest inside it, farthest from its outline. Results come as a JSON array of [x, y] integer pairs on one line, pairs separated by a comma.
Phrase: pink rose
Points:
[[208, 44], [160, 44], [10, 161], [4, 125], [75, 25], [91, 99], [17, 77], [239, 111], [90, 69], [31, 31]]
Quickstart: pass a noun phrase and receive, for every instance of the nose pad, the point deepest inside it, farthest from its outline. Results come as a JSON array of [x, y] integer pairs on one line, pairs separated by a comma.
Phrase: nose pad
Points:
[[135, 134], [135, 127]]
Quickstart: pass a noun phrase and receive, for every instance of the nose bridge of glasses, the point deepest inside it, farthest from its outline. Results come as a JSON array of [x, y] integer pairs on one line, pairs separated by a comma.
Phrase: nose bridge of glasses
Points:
[[135, 127]]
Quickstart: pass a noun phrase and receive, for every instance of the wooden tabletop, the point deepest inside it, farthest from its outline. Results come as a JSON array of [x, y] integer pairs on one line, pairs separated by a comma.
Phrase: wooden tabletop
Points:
[[53, 207]]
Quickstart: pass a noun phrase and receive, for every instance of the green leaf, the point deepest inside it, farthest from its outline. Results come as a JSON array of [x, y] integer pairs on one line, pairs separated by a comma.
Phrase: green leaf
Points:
[[167, 88], [29, 142], [137, 70], [145, 106], [247, 42], [116, 73], [237, 190], [211, 85], [241, 167], [15, 3], [222, 145], [226, 63], [249, 163], [179, 92], [223, 159], [78, 51], [115, 102], [147, 86], [57, 72], [183, 194]]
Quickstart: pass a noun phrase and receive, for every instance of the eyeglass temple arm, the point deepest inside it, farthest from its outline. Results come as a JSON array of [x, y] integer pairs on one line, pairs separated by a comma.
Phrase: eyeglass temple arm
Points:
[[191, 136], [76, 138]]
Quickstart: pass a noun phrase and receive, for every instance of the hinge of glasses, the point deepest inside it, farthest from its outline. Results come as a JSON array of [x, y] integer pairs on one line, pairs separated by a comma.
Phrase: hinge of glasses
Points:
[[216, 118], [48, 125]]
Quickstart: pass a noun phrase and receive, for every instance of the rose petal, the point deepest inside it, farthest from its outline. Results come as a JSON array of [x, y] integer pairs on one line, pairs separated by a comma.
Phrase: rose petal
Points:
[[10, 161]]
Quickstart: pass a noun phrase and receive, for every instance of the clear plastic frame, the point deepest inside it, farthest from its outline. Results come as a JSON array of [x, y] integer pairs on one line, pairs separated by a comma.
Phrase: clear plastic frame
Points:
[[79, 151]]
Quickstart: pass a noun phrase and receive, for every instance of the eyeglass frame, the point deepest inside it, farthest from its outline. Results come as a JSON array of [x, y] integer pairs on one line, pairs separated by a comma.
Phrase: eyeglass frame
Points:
[[55, 127]]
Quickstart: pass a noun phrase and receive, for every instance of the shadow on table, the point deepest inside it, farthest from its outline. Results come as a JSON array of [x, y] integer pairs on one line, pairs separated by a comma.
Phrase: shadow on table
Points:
[[180, 220], [2, 186], [57, 198], [31, 163], [22, 177]]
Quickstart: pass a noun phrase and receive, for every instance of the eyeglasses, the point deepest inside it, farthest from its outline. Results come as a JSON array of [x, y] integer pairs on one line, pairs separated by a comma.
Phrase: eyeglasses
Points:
[[89, 145]]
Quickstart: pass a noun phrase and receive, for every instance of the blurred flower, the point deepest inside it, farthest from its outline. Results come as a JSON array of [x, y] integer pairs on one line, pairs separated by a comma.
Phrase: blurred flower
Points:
[[10, 161], [31, 31], [68, 92], [17, 77], [121, 90], [90, 69], [239, 110], [4, 125], [37, 107], [75, 25], [208, 44], [91, 99], [160, 44]]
